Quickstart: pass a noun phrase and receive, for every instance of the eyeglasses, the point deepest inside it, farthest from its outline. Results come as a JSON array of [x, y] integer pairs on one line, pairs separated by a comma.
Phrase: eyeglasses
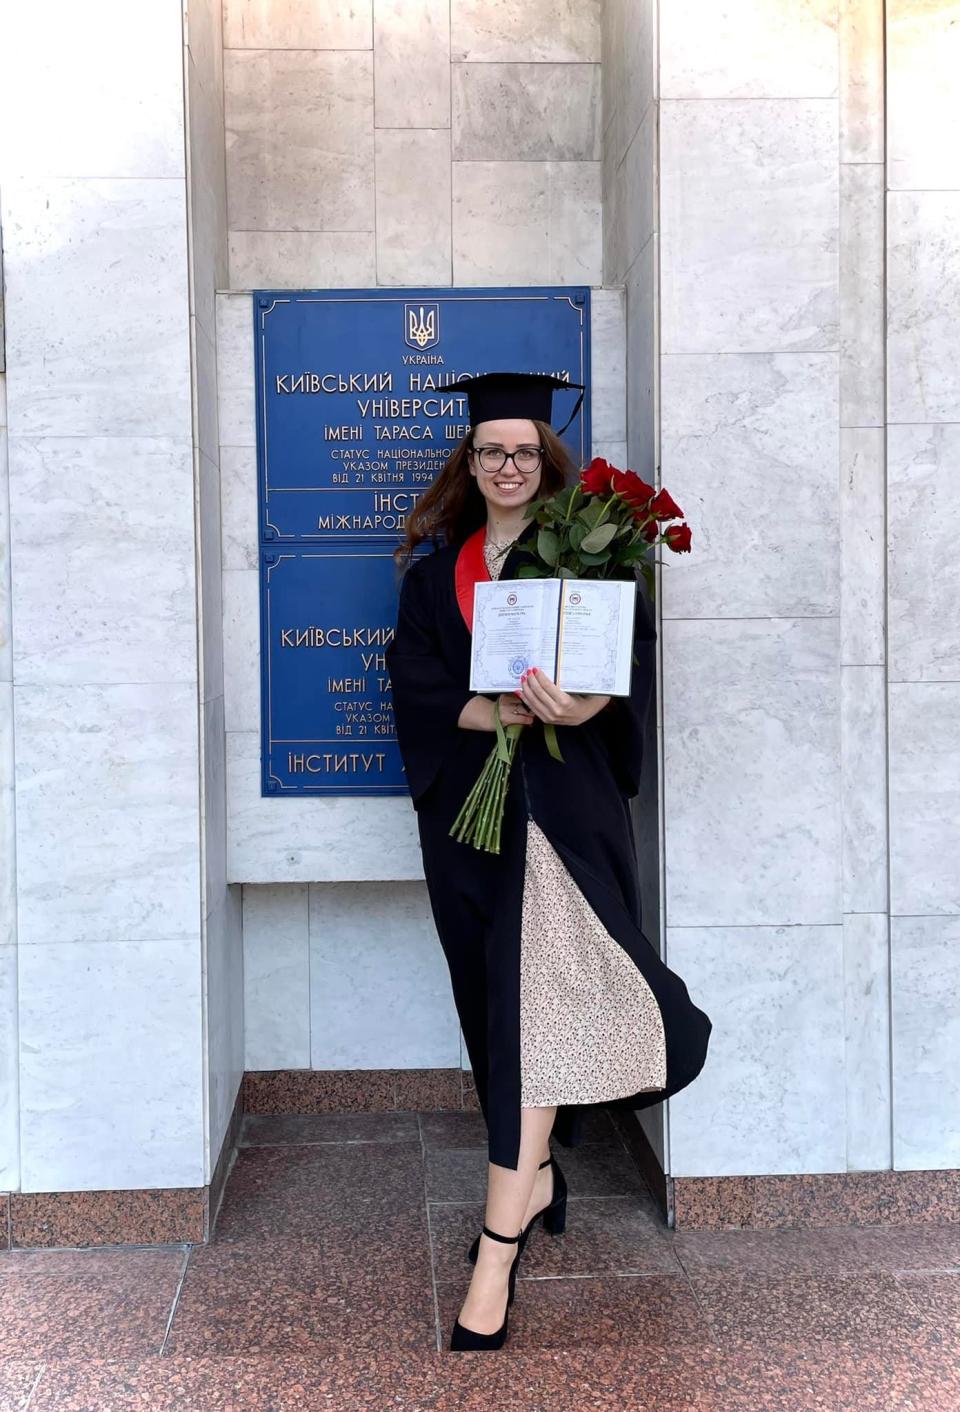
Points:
[[526, 459]]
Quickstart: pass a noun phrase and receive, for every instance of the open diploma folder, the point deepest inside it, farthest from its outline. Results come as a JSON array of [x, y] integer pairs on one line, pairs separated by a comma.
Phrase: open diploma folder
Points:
[[578, 631]]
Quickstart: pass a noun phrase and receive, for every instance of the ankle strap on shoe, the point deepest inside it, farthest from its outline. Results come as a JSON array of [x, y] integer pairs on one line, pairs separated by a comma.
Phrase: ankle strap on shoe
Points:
[[545, 1164], [495, 1235]]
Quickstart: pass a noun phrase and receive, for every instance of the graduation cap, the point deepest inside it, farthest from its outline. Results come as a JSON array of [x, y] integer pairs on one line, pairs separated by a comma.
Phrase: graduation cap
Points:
[[528, 396]]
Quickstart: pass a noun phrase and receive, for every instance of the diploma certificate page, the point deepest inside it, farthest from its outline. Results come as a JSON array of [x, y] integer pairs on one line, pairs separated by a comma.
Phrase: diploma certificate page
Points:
[[578, 631]]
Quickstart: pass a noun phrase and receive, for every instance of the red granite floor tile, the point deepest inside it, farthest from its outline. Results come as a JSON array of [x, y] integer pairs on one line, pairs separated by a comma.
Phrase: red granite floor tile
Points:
[[369, 1237], [66, 1304], [593, 1169], [289, 1298], [868, 1308], [836, 1376], [263, 1130], [277, 1191], [824, 1250], [427, 1088], [456, 1173], [319, 1091], [17, 1381], [600, 1169], [605, 1380], [937, 1297], [652, 1311], [604, 1235], [453, 1130]]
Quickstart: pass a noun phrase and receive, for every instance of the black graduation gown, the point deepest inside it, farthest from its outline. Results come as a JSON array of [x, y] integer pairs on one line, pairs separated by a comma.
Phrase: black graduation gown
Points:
[[582, 807]]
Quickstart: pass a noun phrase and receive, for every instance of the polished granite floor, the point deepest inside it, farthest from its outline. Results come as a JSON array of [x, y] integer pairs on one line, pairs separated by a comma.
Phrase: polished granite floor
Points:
[[338, 1266]]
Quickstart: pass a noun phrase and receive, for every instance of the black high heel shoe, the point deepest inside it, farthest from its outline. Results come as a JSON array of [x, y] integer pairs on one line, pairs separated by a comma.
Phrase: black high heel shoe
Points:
[[464, 1340], [554, 1214]]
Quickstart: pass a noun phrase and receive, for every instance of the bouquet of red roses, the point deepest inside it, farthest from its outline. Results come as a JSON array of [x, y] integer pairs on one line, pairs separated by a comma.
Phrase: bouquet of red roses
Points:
[[603, 526]]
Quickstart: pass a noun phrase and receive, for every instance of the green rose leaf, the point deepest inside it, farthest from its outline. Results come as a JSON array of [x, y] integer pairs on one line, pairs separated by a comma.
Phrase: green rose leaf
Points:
[[548, 546], [598, 538]]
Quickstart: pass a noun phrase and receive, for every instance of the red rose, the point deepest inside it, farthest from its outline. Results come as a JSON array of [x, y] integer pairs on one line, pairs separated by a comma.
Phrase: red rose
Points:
[[650, 531], [677, 538], [664, 507], [596, 477], [632, 489]]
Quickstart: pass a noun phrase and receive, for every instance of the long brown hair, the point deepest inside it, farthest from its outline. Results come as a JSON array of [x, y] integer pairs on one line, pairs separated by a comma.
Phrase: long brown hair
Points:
[[454, 507]]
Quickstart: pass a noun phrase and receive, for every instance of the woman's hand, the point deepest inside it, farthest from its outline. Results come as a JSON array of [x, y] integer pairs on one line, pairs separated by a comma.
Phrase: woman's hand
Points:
[[478, 714], [554, 705]]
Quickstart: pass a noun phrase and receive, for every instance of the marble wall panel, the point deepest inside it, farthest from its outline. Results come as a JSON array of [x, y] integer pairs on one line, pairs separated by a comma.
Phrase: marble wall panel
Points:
[[204, 375], [279, 177], [750, 453], [298, 259], [641, 63], [214, 803], [611, 62], [276, 977], [94, 519], [861, 80], [379, 986], [923, 500], [107, 813], [924, 797], [643, 362], [766, 1101], [614, 219], [203, 34], [83, 59], [411, 63], [745, 50], [613, 451], [923, 306], [638, 175], [863, 546], [111, 1088], [558, 31], [575, 252], [238, 501], [526, 112], [925, 956], [241, 648], [629, 77], [223, 950], [206, 175], [237, 411], [923, 59], [322, 840], [8, 849], [608, 408], [211, 593], [866, 983], [862, 319], [736, 286], [526, 223], [83, 366], [863, 723], [751, 772], [267, 24], [9, 1071], [413, 206]]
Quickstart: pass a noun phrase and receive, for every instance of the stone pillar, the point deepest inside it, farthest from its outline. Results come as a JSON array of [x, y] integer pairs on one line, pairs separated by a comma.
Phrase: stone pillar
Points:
[[109, 394]]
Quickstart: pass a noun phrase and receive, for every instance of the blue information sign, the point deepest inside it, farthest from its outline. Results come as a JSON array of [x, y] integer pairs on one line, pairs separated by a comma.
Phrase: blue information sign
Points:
[[358, 406]]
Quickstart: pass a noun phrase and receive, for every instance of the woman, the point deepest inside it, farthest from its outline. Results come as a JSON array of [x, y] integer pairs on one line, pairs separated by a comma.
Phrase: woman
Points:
[[562, 1000]]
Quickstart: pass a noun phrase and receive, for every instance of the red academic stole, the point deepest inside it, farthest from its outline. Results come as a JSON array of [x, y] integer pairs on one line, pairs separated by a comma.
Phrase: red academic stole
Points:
[[471, 568]]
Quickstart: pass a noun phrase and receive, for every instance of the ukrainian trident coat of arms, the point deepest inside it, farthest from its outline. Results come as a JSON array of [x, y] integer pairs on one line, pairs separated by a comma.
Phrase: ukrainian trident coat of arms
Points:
[[421, 325]]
